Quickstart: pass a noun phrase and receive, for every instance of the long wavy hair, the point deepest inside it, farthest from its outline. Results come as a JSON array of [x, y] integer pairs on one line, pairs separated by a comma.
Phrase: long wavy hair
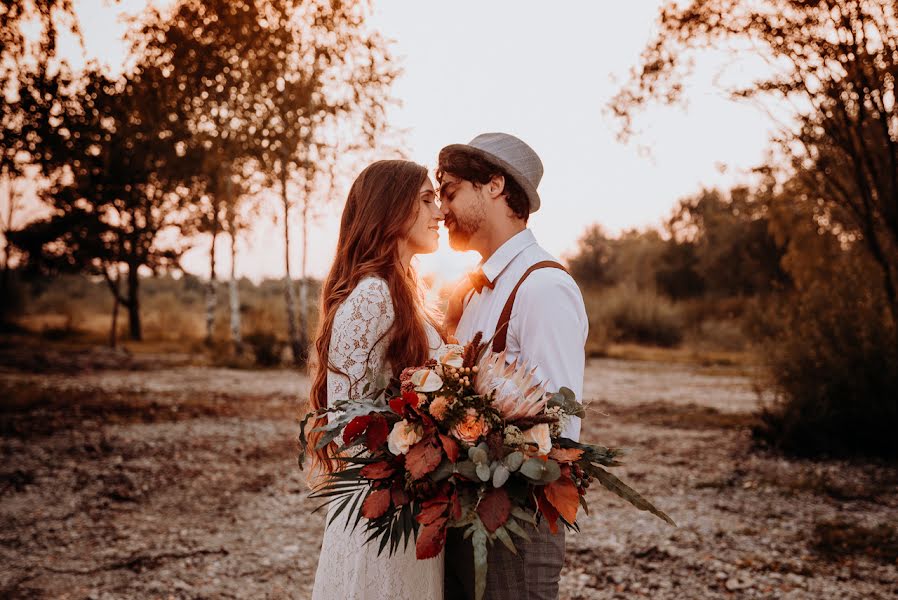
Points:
[[382, 202]]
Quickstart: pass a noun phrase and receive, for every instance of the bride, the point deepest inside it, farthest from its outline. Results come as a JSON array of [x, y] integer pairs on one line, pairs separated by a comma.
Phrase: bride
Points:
[[373, 322]]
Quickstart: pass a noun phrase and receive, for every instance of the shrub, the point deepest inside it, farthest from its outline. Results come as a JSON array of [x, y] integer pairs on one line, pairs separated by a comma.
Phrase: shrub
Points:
[[832, 354], [631, 315], [266, 347]]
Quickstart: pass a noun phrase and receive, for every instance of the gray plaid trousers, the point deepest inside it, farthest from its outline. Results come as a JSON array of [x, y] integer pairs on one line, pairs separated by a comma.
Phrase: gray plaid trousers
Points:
[[532, 575]]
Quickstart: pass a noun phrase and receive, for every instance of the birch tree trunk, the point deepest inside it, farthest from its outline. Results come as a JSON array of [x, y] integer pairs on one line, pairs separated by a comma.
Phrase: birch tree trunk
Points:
[[303, 283], [295, 346], [211, 296], [236, 336], [6, 224]]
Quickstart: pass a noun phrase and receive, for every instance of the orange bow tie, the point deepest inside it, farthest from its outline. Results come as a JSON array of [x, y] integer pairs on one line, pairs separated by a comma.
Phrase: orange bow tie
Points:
[[479, 280]]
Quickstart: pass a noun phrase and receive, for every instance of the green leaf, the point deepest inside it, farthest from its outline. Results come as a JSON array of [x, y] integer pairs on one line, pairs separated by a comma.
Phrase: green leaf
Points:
[[533, 468], [327, 438], [443, 471], [339, 510], [478, 455], [514, 461], [524, 515], [478, 539], [503, 537], [500, 476], [516, 529], [620, 488], [467, 469], [567, 400], [408, 524], [552, 472]]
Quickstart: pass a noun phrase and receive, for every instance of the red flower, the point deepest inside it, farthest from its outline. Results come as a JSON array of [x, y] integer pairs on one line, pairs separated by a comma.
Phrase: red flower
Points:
[[398, 404]]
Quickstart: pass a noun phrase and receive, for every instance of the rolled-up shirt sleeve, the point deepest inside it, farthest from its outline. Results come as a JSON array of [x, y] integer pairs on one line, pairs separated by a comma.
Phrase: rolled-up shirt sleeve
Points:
[[548, 330]]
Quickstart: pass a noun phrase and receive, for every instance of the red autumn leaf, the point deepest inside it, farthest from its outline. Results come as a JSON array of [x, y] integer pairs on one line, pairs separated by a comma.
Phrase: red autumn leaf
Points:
[[411, 398], [548, 511], [376, 504], [455, 506], [432, 510], [378, 470], [355, 428], [399, 496], [566, 455], [494, 509], [378, 430], [423, 458], [450, 446], [563, 495], [431, 539]]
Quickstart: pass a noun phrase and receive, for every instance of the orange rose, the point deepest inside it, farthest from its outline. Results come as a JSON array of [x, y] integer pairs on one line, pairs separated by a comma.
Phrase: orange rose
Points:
[[471, 428]]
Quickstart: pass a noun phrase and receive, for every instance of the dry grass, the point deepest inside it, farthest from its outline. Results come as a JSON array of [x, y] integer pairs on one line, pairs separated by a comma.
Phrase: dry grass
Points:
[[840, 539], [683, 355], [30, 410]]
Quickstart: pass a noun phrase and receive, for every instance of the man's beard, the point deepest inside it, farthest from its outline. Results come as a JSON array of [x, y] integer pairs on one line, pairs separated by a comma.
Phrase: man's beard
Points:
[[465, 226], [460, 235]]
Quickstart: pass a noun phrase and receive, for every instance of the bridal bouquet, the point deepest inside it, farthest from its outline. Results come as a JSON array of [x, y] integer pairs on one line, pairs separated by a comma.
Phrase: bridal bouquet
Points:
[[462, 441]]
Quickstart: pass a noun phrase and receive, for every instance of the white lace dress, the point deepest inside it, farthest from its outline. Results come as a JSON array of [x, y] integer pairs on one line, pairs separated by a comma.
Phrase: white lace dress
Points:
[[349, 569]]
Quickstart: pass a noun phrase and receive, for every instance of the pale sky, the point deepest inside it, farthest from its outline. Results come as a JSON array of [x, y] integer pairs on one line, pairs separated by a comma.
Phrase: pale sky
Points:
[[540, 71]]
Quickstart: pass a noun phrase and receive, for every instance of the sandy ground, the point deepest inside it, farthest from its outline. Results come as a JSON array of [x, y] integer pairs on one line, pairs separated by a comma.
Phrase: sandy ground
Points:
[[180, 482]]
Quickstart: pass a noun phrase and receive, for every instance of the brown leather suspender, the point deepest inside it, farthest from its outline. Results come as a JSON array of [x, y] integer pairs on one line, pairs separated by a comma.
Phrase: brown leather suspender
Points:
[[504, 318]]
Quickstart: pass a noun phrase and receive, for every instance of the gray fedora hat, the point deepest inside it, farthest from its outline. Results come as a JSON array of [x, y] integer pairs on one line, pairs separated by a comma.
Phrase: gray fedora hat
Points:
[[512, 155]]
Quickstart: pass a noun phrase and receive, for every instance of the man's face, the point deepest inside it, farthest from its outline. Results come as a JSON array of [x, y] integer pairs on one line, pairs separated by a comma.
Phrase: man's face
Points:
[[464, 210]]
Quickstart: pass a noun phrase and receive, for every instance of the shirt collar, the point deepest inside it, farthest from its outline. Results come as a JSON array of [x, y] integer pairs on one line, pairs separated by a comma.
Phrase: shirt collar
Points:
[[502, 257]]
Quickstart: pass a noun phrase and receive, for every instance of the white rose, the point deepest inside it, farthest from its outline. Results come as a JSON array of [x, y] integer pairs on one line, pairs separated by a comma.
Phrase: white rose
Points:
[[403, 436], [541, 436], [426, 380]]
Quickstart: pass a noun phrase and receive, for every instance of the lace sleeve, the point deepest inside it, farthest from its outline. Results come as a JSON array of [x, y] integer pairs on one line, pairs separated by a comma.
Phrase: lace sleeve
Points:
[[358, 339]]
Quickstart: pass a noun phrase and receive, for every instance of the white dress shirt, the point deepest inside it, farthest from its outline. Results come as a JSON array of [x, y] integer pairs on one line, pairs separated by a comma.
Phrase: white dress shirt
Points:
[[548, 323]]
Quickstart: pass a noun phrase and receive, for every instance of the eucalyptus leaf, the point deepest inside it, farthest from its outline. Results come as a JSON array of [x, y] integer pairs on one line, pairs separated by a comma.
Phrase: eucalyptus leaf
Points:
[[444, 470], [552, 471], [514, 461], [483, 472], [467, 469], [478, 455], [533, 468], [500, 476]]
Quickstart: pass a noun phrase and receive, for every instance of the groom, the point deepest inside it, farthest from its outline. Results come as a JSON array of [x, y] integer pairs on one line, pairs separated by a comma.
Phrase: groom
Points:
[[523, 295]]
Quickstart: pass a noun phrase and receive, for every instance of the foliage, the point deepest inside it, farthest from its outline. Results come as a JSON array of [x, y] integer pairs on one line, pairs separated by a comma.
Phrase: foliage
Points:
[[591, 264], [720, 247], [272, 90], [836, 63], [266, 348], [115, 185], [628, 314], [832, 351]]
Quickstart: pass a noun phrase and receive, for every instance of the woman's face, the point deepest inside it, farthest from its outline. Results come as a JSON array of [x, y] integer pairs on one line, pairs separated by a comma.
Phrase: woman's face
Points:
[[423, 233]]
